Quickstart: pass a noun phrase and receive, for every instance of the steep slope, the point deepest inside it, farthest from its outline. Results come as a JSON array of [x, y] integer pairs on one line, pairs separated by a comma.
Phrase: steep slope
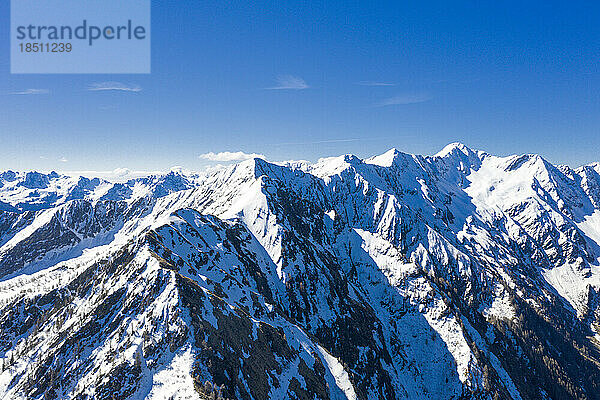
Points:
[[459, 275]]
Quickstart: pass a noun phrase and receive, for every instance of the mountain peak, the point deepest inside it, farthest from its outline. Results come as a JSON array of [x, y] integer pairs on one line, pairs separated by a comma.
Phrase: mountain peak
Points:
[[386, 159], [461, 156], [453, 148]]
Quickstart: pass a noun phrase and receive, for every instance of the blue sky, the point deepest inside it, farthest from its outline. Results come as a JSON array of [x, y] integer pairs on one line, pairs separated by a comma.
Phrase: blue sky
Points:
[[300, 80]]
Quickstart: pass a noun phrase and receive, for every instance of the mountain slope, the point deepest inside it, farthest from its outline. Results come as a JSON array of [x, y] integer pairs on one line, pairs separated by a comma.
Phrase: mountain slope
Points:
[[459, 275]]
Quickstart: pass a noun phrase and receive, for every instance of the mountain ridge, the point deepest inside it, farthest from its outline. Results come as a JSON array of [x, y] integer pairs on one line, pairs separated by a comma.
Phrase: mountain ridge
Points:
[[458, 275]]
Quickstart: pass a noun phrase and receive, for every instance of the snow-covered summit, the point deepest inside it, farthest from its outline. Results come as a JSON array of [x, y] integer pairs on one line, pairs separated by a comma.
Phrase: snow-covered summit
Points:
[[384, 160], [454, 148]]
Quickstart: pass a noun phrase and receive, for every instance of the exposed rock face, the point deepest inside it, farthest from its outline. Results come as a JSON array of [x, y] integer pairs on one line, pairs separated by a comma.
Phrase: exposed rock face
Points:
[[35, 180], [456, 276]]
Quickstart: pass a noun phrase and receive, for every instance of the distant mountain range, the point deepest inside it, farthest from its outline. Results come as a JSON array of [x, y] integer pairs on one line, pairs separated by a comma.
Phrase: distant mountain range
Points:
[[456, 276]]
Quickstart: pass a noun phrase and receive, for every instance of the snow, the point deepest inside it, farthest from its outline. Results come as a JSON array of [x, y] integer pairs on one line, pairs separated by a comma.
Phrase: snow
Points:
[[451, 148], [435, 311], [42, 219], [572, 283], [491, 187], [175, 380], [340, 375], [403, 223], [591, 227], [500, 307], [504, 377], [384, 160]]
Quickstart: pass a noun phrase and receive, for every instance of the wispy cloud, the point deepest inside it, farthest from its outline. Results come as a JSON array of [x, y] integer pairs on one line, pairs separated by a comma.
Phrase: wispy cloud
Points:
[[63, 159], [409, 98], [117, 175], [375, 83], [31, 92], [289, 82], [228, 156], [114, 86], [120, 172]]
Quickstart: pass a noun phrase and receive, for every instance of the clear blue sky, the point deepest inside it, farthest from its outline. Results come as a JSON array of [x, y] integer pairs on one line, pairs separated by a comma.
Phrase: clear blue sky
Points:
[[506, 77]]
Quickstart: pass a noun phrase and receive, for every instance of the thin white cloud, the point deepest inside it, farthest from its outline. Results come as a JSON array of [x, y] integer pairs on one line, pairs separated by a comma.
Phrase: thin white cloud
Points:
[[31, 92], [114, 86], [118, 175], [289, 82], [63, 159], [375, 83], [403, 99], [228, 156], [120, 172]]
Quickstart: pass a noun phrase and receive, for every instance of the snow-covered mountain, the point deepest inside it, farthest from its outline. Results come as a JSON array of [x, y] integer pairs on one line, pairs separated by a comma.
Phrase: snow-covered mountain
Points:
[[455, 276]]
